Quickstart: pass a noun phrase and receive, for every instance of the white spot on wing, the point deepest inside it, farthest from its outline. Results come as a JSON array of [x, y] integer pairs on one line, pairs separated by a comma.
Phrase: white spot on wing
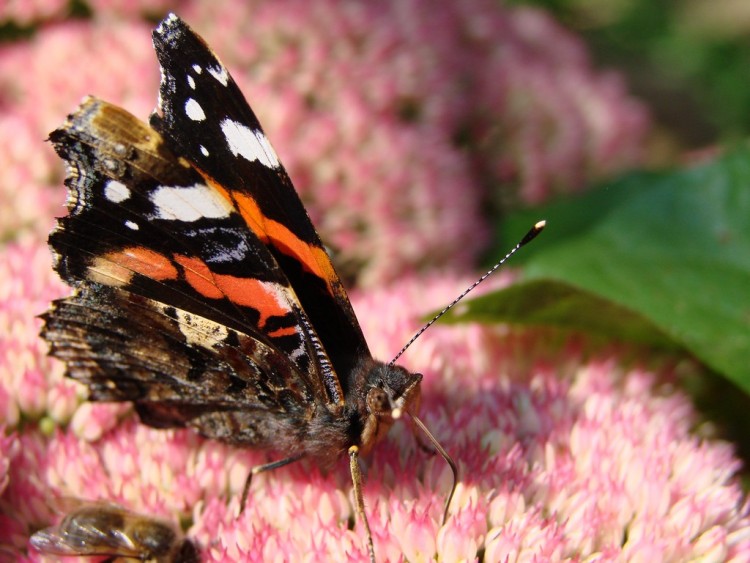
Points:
[[191, 82], [130, 225], [197, 69], [168, 22], [116, 192], [200, 331], [178, 203], [220, 74], [204, 150], [250, 144], [194, 110]]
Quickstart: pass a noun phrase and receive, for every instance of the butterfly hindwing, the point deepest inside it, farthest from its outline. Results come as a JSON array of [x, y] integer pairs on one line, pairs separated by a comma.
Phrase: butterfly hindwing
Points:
[[203, 111], [178, 368]]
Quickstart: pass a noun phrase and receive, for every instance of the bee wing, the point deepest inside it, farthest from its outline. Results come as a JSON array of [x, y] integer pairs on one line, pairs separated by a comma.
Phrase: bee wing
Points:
[[91, 529]]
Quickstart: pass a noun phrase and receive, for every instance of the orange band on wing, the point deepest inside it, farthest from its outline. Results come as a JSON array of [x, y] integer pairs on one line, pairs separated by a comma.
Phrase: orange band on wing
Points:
[[283, 331], [314, 259], [117, 268], [145, 262], [266, 297], [199, 276]]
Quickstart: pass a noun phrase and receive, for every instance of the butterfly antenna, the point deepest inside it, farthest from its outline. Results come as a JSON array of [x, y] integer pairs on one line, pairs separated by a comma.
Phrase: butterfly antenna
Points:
[[528, 237]]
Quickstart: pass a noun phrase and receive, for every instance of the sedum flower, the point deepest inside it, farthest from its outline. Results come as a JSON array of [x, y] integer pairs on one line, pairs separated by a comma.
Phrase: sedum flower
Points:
[[31, 384], [23, 13]]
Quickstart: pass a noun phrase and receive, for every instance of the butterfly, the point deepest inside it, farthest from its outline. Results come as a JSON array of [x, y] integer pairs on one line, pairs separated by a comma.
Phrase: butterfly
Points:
[[102, 528], [202, 292]]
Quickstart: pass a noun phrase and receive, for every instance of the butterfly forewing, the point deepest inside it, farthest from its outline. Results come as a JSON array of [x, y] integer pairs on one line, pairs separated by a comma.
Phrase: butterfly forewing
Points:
[[200, 101]]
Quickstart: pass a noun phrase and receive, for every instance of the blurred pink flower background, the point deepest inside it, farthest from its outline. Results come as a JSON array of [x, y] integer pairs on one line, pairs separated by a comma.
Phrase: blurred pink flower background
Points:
[[398, 121]]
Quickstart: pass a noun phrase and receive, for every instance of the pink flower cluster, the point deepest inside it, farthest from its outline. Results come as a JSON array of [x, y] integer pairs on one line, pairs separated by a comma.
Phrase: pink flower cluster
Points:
[[23, 13], [561, 458], [30, 383], [396, 120]]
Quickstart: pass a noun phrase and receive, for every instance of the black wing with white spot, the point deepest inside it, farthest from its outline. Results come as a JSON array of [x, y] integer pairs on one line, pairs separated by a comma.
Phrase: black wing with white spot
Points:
[[203, 112]]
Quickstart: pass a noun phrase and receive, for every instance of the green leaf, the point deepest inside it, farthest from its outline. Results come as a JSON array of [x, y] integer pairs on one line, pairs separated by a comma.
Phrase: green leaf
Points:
[[557, 304], [670, 248]]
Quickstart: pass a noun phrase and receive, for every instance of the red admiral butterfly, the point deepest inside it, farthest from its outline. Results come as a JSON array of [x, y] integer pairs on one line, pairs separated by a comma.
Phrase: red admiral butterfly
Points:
[[203, 293]]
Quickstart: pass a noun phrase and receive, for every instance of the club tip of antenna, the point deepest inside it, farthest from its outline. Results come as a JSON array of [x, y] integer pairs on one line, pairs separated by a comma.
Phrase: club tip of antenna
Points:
[[535, 230], [528, 237]]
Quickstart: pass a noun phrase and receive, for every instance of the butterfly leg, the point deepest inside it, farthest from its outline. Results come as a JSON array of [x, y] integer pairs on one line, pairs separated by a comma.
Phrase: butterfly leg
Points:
[[259, 469], [359, 499]]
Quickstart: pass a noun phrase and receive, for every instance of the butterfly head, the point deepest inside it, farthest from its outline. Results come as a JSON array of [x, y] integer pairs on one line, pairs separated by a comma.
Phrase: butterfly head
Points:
[[387, 392]]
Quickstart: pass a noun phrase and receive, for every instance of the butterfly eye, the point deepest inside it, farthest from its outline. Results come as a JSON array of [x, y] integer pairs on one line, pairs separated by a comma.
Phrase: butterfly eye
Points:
[[377, 401]]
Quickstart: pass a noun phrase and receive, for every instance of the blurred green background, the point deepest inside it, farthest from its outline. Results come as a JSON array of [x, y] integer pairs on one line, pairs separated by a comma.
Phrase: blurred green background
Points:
[[688, 59]]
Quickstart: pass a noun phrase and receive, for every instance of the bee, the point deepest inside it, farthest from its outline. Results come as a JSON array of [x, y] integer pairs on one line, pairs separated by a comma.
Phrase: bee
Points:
[[106, 529]]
